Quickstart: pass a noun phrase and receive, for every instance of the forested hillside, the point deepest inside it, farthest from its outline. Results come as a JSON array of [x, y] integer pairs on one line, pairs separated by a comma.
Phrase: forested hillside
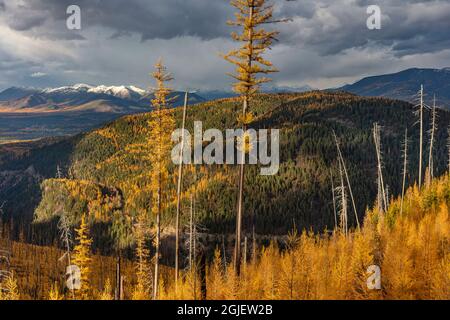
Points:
[[411, 246], [23, 167], [300, 194]]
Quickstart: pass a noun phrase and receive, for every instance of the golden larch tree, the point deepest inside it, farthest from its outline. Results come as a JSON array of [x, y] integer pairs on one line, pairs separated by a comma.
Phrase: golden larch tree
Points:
[[143, 270], [161, 126], [82, 258], [251, 15], [54, 293]]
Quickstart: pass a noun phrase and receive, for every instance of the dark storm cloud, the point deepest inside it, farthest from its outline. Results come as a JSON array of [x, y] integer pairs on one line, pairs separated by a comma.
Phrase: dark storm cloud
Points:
[[327, 26], [151, 19], [20, 24], [327, 39], [337, 26]]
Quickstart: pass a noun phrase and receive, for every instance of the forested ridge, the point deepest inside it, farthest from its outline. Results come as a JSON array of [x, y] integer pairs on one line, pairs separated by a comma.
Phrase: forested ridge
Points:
[[300, 194]]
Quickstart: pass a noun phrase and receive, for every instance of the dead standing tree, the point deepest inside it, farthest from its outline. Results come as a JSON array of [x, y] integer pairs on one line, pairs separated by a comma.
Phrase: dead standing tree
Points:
[[432, 133], [342, 198], [420, 114], [65, 229], [344, 168], [382, 198], [405, 165], [179, 184], [334, 200], [195, 265]]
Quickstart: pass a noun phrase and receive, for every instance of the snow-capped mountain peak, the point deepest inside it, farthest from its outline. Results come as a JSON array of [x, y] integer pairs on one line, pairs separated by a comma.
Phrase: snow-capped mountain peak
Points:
[[125, 92], [138, 90], [117, 91], [75, 88]]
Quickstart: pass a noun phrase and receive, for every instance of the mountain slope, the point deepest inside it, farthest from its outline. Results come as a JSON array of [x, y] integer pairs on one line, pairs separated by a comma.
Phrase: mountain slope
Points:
[[15, 93], [301, 191], [405, 85]]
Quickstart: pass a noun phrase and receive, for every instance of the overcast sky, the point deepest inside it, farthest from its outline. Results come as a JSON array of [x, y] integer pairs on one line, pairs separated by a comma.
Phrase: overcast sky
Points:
[[327, 44]]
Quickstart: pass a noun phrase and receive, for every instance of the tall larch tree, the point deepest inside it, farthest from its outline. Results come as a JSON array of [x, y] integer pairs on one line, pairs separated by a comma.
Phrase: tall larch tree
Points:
[[251, 15], [161, 125], [143, 270], [82, 258]]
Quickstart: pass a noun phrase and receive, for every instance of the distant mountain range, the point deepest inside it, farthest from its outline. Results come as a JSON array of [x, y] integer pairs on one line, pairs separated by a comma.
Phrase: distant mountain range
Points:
[[112, 99], [82, 98], [405, 85], [30, 113]]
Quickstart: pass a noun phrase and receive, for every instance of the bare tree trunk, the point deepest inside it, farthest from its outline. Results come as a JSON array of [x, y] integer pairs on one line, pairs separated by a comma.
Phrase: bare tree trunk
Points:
[[224, 254], [157, 245], [191, 235], [387, 200], [64, 227], [69, 261], [379, 195], [334, 200], [237, 248], [254, 245], [237, 254], [194, 255], [343, 197], [381, 192], [203, 288], [405, 163], [118, 272], [245, 252], [432, 133], [180, 180], [421, 136], [347, 178], [122, 292]]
